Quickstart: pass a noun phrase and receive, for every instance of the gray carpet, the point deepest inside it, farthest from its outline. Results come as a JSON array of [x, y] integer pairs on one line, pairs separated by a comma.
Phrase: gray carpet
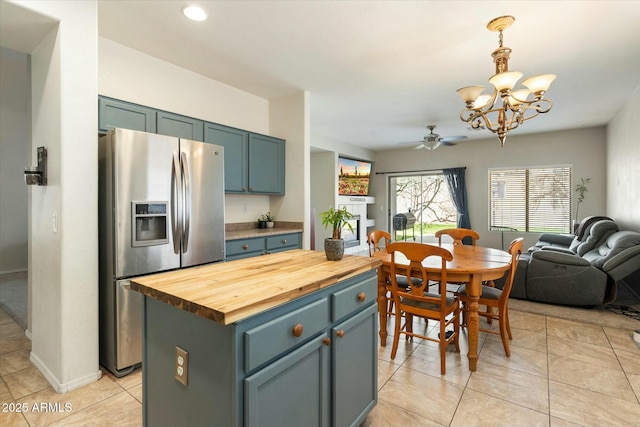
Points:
[[13, 296]]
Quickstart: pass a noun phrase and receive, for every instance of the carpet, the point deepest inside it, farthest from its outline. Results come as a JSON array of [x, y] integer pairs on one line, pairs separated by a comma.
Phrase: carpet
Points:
[[13, 296]]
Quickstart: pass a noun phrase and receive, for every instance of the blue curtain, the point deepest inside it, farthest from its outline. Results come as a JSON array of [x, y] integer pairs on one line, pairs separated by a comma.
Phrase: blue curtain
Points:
[[458, 189]]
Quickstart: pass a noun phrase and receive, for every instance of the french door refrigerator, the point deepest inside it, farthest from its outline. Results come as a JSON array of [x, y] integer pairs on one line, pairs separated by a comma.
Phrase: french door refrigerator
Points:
[[161, 207]]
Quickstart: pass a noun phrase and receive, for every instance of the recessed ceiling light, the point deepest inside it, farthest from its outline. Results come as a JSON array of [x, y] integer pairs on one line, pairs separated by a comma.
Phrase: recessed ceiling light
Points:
[[194, 13]]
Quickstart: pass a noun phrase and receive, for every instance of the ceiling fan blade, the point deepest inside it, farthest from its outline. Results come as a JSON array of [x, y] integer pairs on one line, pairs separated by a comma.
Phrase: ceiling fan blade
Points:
[[419, 147], [453, 138], [447, 143]]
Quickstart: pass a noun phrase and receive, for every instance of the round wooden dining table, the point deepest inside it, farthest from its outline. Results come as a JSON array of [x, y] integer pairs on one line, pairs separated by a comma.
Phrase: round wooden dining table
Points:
[[471, 265]]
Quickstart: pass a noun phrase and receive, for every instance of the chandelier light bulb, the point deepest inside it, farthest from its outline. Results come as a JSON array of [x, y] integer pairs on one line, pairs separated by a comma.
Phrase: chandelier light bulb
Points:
[[518, 96], [537, 84], [481, 101], [470, 93], [505, 81]]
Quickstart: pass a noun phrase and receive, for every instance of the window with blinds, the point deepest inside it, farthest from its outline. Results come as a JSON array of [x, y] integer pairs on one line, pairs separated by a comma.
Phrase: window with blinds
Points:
[[530, 200]]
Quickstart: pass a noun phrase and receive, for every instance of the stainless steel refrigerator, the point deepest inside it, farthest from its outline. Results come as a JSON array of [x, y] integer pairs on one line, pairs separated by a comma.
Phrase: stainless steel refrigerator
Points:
[[161, 207]]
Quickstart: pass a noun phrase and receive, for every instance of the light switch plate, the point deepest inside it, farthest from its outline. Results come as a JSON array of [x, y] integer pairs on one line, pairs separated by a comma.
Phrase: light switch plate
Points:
[[182, 365]]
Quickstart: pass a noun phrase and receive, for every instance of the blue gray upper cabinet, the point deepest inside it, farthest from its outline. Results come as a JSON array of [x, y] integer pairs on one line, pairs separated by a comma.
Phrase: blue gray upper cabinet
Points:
[[236, 156], [180, 126], [117, 114], [253, 163], [266, 164]]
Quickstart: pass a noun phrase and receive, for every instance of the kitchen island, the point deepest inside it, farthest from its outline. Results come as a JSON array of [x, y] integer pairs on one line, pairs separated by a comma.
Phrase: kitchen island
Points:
[[287, 339]]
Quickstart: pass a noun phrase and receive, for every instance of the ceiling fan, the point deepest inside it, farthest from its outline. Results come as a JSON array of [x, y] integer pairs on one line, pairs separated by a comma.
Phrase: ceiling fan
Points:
[[433, 140]]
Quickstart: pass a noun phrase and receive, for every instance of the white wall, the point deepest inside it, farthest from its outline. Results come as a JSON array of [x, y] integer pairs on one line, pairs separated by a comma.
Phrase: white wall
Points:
[[585, 149], [64, 262], [324, 191], [133, 76], [289, 119], [623, 160], [15, 155]]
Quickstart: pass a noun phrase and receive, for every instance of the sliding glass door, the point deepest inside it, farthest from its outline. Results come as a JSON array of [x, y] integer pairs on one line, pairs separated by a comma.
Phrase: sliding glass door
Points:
[[424, 197]]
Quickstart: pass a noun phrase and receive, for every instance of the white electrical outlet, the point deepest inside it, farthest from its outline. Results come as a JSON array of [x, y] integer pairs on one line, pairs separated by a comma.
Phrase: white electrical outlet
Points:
[[244, 209], [182, 365], [54, 223]]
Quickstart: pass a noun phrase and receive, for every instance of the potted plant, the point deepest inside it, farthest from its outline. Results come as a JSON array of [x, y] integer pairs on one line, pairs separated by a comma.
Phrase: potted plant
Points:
[[266, 221], [337, 219], [581, 188]]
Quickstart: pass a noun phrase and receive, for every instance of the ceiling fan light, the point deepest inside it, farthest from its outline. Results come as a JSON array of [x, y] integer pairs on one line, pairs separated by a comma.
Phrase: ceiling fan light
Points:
[[431, 144], [541, 83], [505, 81], [470, 93]]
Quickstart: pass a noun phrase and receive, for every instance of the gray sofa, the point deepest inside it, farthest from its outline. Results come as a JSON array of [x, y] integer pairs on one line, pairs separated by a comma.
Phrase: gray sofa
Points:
[[584, 271]]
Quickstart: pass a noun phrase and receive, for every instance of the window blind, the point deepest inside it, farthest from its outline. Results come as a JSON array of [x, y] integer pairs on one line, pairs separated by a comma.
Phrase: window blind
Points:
[[531, 200]]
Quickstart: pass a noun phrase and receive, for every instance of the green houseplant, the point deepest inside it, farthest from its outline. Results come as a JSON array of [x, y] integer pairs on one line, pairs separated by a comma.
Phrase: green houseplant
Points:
[[581, 188], [337, 219], [266, 220]]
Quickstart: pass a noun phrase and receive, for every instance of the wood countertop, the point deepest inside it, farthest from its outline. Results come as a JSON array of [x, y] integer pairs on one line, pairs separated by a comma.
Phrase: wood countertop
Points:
[[227, 292]]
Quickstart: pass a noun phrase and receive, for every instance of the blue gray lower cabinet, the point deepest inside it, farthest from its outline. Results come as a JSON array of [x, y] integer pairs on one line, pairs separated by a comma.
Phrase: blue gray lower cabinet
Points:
[[256, 372], [254, 246]]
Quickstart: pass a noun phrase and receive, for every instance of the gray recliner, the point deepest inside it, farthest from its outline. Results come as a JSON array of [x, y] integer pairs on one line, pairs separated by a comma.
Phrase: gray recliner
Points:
[[586, 277], [568, 241]]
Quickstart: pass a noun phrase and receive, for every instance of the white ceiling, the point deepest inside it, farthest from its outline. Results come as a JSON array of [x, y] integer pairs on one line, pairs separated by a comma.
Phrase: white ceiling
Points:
[[379, 71]]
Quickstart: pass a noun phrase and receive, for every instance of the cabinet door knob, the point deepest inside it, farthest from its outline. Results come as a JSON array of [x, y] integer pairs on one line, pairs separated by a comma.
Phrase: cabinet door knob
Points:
[[362, 296], [340, 333], [297, 330], [250, 188], [244, 189], [245, 247], [326, 341], [284, 241]]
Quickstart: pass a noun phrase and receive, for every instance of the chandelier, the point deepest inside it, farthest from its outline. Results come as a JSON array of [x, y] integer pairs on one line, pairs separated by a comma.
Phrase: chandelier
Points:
[[506, 108]]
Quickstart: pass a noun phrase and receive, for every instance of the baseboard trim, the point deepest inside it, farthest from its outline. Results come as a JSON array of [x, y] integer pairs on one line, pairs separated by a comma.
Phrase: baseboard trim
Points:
[[56, 384], [7, 272]]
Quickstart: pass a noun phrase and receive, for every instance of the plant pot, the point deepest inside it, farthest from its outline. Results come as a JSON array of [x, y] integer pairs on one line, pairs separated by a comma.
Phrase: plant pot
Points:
[[262, 224], [270, 224], [334, 249]]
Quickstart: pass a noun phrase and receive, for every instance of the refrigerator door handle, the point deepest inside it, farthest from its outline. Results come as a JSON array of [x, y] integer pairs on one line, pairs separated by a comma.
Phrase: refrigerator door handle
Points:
[[186, 202], [176, 202]]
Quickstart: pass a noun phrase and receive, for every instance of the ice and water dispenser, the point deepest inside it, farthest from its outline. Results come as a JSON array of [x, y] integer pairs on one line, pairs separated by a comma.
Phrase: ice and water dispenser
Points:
[[150, 223]]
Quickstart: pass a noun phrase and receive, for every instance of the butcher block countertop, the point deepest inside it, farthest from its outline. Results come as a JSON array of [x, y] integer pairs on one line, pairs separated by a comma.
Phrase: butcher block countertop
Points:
[[228, 292]]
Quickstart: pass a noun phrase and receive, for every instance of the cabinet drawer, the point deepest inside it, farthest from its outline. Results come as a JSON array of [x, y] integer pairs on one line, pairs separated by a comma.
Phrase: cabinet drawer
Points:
[[283, 241], [354, 297], [267, 341], [244, 247]]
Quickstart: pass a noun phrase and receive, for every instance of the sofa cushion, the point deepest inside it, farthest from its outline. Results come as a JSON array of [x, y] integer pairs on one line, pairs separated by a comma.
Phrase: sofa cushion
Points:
[[597, 233], [586, 223], [615, 243]]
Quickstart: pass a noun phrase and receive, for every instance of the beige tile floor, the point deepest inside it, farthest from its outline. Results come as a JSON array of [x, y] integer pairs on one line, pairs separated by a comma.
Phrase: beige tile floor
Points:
[[560, 373]]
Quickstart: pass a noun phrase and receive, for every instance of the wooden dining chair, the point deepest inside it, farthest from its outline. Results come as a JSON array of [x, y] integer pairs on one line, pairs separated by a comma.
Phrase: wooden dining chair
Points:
[[418, 301], [374, 238], [494, 297], [458, 235]]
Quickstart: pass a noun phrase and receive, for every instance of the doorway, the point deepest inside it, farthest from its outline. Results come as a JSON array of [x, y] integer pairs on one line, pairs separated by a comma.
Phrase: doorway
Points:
[[15, 149], [424, 196]]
